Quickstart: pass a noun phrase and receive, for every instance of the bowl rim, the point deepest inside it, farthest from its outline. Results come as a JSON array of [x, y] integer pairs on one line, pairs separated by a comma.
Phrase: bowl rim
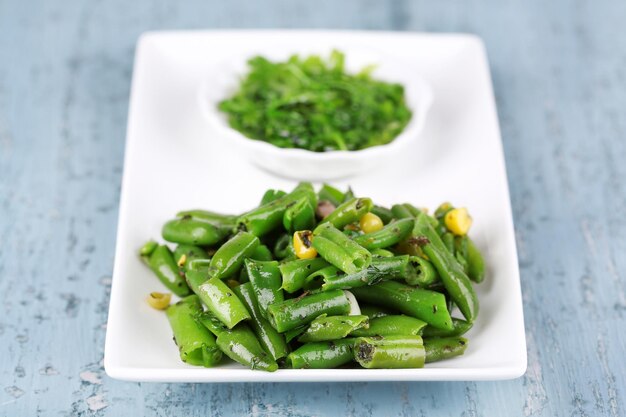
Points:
[[417, 86]]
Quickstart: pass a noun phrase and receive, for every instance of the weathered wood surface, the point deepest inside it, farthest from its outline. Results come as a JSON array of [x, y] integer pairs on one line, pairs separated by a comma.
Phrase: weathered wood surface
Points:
[[559, 69]]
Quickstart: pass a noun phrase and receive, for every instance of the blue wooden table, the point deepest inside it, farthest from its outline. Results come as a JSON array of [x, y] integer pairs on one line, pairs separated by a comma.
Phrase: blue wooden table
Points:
[[559, 69]]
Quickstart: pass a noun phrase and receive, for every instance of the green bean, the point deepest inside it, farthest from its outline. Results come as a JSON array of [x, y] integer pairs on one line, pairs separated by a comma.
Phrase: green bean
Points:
[[299, 216], [271, 195], [475, 263], [262, 253], [331, 194], [384, 213], [325, 328], [195, 343], [220, 299], [317, 278], [208, 216], [187, 230], [399, 211], [283, 249], [295, 332], [268, 217], [389, 235], [373, 311], [460, 327], [425, 305], [295, 272], [380, 269], [211, 322], [391, 326], [272, 341], [147, 249], [339, 250], [391, 352], [382, 253], [230, 256], [302, 310], [241, 345], [425, 273], [448, 240], [438, 349], [456, 282], [322, 355], [185, 254], [162, 263], [266, 281], [349, 212]]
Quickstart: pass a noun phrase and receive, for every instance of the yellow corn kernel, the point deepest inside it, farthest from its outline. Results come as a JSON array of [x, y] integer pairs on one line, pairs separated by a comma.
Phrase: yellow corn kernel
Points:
[[159, 300], [302, 244], [182, 260], [458, 221], [370, 222]]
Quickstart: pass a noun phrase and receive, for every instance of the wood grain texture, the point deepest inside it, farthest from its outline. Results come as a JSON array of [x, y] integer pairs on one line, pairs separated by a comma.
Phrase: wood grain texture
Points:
[[559, 71]]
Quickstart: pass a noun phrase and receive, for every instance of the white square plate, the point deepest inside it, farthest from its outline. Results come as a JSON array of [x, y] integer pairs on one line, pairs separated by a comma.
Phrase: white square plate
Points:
[[174, 162]]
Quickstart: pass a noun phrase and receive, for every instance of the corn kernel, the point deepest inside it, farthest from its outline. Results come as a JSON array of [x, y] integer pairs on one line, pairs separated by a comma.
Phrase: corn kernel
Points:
[[370, 222], [158, 300], [182, 260], [302, 244], [458, 221]]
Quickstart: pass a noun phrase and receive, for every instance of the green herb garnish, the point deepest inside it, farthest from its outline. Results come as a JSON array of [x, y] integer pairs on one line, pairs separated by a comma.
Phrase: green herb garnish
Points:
[[311, 103]]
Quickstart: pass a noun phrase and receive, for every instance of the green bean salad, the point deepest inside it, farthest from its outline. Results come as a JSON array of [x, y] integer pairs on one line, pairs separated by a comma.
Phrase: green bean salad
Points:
[[318, 280]]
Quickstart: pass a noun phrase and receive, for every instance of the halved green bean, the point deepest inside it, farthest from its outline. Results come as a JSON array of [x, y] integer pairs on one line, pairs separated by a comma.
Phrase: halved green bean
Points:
[[438, 349], [195, 343], [271, 195], [266, 281], [283, 248], [391, 352], [373, 311], [391, 326], [272, 341], [384, 213], [299, 216], [295, 272], [187, 230], [382, 253], [340, 250], [380, 269], [425, 273], [218, 297], [268, 217], [162, 263], [457, 283], [322, 355], [460, 327], [302, 310], [294, 333], [325, 328], [317, 278], [230, 256], [241, 345], [389, 235], [349, 212], [429, 306]]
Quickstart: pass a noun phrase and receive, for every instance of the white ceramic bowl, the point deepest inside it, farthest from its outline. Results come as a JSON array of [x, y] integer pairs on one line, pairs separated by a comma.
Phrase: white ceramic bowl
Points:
[[223, 81]]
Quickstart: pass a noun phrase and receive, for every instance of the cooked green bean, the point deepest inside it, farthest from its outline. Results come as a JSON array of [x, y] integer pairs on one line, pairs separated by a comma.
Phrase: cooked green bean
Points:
[[438, 349], [283, 249], [271, 195], [195, 343], [331, 194], [373, 311], [325, 328], [266, 281], [475, 262], [400, 211], [389, 235], [187, 230], [299, 216], [425, 273], [317, 278], [302, 310], [231, 255], [241, 345], [429, 306], [349, 212], [454, 279], [295, 272], [262, 253], [322, 355], [185, 254], [382, 253], [460, 327], [380, 269], [390, 352], [391, 325], [162, 263], [384, 213], [340, 250], [272, 341]]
